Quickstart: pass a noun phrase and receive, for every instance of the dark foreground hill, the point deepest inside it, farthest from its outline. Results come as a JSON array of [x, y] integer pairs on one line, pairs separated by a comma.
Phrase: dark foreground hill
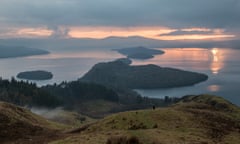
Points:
[[20, 126], [121, 75], [199, 119], [202, 119]]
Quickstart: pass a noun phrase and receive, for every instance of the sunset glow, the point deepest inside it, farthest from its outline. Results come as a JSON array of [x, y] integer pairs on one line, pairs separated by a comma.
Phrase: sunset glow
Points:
[[38, 32], [196, 29], [104, 32], [147, 32], [157, 33], [27, 32]]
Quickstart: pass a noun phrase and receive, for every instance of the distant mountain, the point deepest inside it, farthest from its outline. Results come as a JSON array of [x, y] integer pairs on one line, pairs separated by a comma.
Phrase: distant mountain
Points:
[[15, 51], [119, 74], [139, 52], [35, 75], [113, 43]]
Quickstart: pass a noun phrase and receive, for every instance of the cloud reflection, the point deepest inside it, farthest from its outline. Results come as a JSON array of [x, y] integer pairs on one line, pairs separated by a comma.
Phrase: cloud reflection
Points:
[[213, 88]]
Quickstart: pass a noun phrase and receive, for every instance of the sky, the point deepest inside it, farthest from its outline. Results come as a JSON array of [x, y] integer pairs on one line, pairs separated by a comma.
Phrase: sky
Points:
[[155, 19]]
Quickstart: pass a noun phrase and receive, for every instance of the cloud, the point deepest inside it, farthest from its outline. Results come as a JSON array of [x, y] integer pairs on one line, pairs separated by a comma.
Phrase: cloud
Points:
[[48, 113], [26, 32], [56, 14], [197, 34], [206, 13], [60, 32], [195, 31], [104, 32], [187, 33]]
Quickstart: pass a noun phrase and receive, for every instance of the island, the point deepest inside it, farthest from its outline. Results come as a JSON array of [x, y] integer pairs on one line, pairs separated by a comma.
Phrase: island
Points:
[[18, 51], [35, 75], [139, 52], [119, 74]]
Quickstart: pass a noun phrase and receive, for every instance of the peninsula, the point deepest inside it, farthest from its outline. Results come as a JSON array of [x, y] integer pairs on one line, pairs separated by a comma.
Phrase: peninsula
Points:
[[123, 75]]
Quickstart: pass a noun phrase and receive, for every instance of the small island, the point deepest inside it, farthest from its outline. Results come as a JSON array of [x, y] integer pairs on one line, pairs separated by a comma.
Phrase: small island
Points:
[[139, 52], [35, 75], [18, 51], [120, 74]]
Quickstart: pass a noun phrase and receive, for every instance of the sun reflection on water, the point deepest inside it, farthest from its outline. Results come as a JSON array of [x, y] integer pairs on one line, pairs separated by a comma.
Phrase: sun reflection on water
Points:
[[217, 60]]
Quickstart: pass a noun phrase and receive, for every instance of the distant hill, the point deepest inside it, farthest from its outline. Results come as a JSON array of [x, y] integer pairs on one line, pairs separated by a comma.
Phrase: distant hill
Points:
[[35, 75], [115, 42], [14, 51], [86, 98], [201, 119], [120, 74], [97, 100], [139, 52]]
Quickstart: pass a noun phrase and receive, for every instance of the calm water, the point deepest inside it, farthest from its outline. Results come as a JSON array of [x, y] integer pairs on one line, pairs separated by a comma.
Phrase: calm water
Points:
[[222, 66], [65, 66]]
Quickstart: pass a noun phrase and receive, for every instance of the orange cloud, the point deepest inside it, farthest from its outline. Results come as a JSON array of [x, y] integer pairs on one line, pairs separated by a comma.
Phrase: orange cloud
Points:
[[196, 29], [38, 32], [103, 32], [26, 32]]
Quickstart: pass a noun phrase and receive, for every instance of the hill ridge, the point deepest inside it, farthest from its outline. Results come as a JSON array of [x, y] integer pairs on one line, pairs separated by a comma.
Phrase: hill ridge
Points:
[[178, 123], [19, 125]]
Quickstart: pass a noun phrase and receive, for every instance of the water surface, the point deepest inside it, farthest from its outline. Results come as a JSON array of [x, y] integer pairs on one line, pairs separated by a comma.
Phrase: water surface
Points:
[[222, 65]]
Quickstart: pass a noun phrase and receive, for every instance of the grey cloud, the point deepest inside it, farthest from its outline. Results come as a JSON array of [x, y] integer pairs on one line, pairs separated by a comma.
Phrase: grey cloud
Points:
[[172, 13], [59, 32], [187, 33]]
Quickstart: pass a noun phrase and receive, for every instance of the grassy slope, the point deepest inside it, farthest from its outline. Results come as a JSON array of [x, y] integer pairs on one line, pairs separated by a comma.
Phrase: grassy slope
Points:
[[22, 126], [194, 120]]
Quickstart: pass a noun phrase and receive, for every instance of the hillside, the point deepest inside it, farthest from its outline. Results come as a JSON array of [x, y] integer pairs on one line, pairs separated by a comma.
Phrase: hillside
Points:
[[90, 99], [202, 119], [199, 119], [26, 94], [19, 125], [121, 75], [17, 51], [96, 100]]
